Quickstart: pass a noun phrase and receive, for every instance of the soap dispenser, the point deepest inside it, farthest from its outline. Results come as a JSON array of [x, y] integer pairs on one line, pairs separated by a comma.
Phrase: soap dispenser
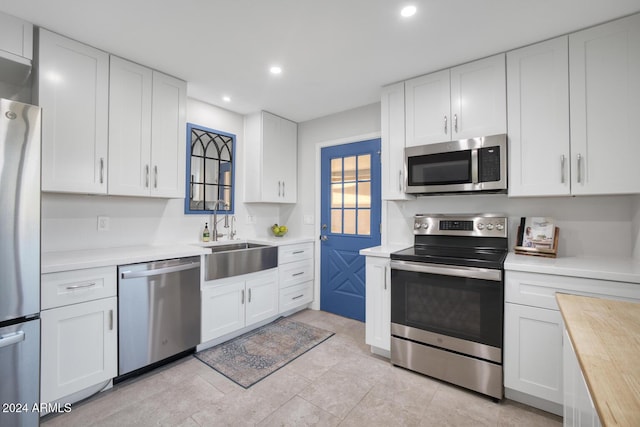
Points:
[[205, 232]]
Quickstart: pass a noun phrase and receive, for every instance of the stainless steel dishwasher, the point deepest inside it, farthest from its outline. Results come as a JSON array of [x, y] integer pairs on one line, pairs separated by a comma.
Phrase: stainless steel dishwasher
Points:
[[159, 311]]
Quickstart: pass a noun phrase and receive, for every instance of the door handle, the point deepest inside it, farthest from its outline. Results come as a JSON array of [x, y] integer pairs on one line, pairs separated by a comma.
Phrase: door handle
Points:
[[324, 238], [11, 339]]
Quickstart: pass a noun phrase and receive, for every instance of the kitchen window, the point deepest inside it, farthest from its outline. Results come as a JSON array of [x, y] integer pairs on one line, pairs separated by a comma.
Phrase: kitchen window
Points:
[[210, 171]]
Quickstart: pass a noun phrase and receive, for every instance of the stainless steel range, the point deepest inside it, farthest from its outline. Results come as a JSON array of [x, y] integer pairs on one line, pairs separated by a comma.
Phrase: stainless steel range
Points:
[[447, 299]]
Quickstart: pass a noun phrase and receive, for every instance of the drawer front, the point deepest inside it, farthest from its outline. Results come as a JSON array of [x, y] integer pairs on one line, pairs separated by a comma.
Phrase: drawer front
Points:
[[539, 290], [296, 296], [295, 272], [72, 287], [292, 253]]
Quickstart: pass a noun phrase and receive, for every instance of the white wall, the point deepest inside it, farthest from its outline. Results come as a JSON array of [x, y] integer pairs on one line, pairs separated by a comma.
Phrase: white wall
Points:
[[604, 225], [69, 221]]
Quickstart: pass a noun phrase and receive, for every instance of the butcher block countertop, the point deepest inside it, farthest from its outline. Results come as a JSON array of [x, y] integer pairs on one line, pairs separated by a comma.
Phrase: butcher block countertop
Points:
[[606, 338]]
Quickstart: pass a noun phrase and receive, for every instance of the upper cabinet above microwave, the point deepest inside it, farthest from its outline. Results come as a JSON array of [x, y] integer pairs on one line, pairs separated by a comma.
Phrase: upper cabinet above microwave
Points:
[[16, 49], [466, 101]]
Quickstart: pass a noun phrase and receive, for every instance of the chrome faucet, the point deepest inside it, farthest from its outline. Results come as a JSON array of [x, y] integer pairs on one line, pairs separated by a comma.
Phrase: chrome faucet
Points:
[[216, 205], [232, 232]]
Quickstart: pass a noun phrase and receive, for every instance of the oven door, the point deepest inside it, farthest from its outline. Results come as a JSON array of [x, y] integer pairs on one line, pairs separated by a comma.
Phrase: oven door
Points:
[[451, 307]]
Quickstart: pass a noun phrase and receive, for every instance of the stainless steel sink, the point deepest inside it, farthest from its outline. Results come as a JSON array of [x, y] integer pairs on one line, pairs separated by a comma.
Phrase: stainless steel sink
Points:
[[234, 259]]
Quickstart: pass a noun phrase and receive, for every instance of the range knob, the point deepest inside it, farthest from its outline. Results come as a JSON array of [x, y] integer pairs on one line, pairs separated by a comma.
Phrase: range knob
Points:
[[416, 225], [499, 227], [425, 225], [489, 227], [480, 226]]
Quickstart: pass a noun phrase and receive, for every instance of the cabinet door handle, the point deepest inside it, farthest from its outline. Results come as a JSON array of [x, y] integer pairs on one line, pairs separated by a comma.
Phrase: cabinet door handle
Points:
[[279, 188], [445, 124], [242, 297], [455, 122], [111, 320], [155, 176], [146, 176], [385, 278], [562, 169], [579, 168], [400, 180], [283, 188], [101, 170], [249, 299], [86, 285]]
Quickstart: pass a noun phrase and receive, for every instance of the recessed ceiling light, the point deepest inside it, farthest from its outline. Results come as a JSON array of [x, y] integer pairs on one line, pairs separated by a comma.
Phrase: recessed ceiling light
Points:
[[226, 98], [408, 11], [275, 69]]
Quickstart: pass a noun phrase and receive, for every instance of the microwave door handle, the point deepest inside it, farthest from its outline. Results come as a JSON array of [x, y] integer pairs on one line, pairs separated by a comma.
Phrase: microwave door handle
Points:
[[474, 166]]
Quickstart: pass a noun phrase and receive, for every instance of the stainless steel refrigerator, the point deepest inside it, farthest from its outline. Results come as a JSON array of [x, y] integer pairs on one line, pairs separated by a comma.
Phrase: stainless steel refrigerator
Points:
[[19, 263]]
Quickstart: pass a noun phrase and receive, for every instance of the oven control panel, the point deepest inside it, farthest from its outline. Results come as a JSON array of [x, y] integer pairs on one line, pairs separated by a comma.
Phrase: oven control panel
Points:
[[461, 225]]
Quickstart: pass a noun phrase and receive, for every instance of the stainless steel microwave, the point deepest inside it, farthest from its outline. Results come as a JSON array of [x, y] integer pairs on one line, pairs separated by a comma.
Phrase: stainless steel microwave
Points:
[[467, 165]]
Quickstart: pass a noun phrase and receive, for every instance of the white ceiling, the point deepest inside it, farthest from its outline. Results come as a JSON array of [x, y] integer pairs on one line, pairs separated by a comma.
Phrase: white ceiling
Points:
[[335, 54]]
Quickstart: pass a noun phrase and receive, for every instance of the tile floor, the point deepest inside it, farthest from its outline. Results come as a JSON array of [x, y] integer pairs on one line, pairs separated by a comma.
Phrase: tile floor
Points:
[[338, 382]]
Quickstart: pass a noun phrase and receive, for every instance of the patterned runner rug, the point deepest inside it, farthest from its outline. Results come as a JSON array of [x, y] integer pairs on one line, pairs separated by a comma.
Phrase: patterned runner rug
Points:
[[257, 354]]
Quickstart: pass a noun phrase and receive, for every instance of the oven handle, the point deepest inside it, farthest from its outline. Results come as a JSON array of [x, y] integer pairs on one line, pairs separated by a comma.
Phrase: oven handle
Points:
[[457, 271]]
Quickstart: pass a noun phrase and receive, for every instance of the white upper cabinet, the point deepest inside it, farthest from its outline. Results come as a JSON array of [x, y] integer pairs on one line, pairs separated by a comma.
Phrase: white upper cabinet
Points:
[[270, 159], [73, 91], [129, 128], [538, 112], [466, 101], [16, 39], [147, 127], [392, 107], [604, 64], [168, 136]]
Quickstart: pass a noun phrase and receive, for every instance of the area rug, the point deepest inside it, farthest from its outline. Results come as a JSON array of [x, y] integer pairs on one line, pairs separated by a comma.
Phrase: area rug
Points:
[[257, 354]]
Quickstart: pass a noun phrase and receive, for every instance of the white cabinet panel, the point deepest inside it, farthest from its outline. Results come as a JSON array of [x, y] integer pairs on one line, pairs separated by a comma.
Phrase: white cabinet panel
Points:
[[16, 38], [538, 112], [73, 91], [129, 128], [296, 273], [76, 286], [271, 159], [393, 142], [478, 98], [79, 347], [296, 296], [604, 64], [262, 297], [532, 352], [222, 309], [378, 303], [428, 109], [295, 252], [168, 136]]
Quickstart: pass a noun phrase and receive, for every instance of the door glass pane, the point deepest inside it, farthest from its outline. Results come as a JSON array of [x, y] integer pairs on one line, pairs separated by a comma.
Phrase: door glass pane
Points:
[[350, 195], [364, 167], [336, 170], [350, 168], [349, 221], [364, 194], [364, 222], [336, 195], [336, 220]]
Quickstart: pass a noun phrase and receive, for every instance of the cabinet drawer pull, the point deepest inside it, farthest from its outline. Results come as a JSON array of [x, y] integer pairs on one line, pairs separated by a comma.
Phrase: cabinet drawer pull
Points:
[[298, 274], [86, 285], [297, 252], [299, 296]]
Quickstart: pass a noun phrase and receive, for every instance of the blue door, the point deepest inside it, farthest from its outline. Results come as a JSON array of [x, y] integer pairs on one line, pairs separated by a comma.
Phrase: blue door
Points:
[[350, 221]]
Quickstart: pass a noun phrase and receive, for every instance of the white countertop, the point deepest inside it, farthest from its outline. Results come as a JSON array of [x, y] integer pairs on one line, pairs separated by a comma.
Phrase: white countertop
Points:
[[382, 251], [604, 268], [52, 262]]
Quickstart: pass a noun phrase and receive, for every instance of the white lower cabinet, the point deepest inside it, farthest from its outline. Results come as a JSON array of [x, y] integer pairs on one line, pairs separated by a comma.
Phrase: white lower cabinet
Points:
[[533, 332], [378, 303], [233, 303], [79, 333], [579, 410], [79, 347]]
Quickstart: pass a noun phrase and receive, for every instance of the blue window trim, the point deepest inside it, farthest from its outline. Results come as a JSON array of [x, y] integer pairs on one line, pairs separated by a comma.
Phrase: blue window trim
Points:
[[187, 208]]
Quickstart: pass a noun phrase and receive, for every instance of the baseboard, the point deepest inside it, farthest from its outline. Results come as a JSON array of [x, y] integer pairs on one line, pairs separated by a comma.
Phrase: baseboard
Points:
[[536, 402]]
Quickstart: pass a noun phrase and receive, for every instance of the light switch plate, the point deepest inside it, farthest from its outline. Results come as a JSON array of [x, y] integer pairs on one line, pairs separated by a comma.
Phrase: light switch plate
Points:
[[307, 219], [251, 219], [103, 223]]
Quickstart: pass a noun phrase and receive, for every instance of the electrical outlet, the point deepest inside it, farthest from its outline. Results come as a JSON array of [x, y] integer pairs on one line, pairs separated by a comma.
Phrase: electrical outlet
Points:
[[251, 219], [103, 223], [307, 219]]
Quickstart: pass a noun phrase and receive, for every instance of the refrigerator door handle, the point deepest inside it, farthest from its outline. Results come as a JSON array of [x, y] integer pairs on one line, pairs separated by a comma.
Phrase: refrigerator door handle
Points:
[[11, 339]]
